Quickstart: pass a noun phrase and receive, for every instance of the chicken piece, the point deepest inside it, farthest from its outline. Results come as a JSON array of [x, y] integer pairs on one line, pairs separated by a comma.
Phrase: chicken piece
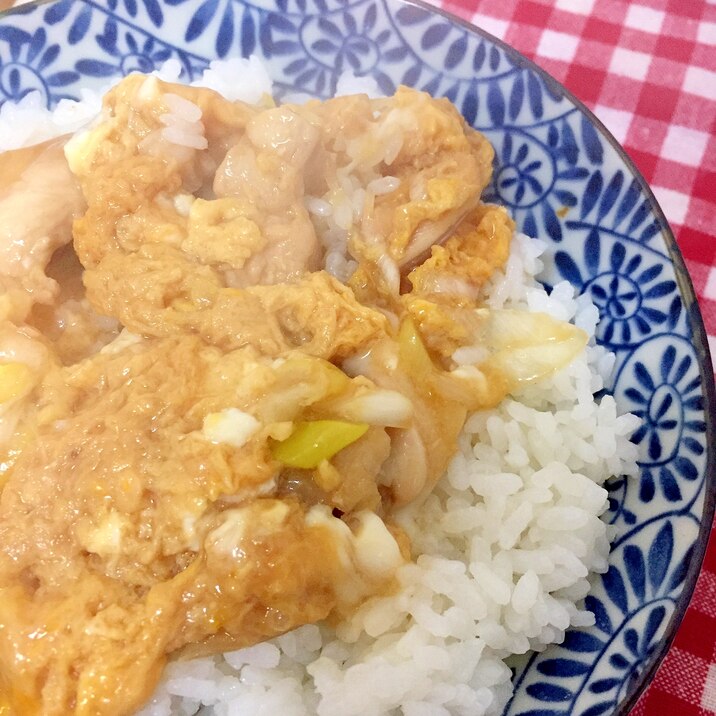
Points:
[[441, 164], [458, 268], [140, 531], [357, 467], [36, 214], [120, 641], [162, 294], [139, 168], [445, 286], [441, 310], [40, 278], [24, 359], [158, 265], [15, 162], [515, 347], [420, 453], [266, 168], [139, 182], [70, 324], [191, 128]]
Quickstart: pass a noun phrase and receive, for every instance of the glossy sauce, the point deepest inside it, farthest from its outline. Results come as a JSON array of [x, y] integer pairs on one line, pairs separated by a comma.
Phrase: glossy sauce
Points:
[[190, 296]]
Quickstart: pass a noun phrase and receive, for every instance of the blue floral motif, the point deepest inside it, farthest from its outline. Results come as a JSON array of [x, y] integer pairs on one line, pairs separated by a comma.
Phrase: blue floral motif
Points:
[[223, 23], [346, 43], [422, 32], [153, 9], [548, 153], [562, 180], [595, 671], [618, 205], [124, 54], [634, 296], [664, 389], [333, 44], [519, 182], [29, 63]]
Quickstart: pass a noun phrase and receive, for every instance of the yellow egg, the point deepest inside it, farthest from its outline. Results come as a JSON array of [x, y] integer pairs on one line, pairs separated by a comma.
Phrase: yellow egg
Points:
[[15, 379]]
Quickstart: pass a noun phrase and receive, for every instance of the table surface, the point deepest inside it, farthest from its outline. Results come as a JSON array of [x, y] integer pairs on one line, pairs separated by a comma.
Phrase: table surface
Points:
[[647, 68]]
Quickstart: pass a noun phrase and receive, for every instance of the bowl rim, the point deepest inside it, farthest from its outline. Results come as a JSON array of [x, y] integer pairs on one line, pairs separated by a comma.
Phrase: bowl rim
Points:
[[698, 338], [691, 307]]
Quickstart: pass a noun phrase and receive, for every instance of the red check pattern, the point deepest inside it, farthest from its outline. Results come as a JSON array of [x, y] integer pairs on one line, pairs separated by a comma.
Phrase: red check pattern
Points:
[[647, 68]]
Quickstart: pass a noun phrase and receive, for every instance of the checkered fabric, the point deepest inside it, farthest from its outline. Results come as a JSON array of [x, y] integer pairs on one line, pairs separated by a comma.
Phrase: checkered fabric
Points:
[[647, 68]]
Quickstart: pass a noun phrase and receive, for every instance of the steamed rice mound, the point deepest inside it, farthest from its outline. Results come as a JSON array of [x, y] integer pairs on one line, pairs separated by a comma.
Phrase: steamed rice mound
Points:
[[506, 541], [285, 368]]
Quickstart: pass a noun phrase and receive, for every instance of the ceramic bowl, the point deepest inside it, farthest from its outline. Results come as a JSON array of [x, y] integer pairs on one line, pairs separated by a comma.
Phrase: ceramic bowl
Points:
[[564, 179]]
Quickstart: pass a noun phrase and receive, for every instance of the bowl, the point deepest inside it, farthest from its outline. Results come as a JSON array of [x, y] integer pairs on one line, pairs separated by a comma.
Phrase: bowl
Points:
[[565, 179]]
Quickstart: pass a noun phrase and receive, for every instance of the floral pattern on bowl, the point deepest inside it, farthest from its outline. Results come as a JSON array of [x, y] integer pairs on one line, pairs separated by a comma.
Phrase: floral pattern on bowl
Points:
[[563, 178]]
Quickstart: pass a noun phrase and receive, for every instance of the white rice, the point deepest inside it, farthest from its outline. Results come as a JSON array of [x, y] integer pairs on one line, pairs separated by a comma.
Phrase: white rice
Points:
[[506, 541]]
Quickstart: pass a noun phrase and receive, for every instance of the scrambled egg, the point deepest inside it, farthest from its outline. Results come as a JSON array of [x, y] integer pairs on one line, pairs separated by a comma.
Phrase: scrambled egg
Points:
[[204, 435]]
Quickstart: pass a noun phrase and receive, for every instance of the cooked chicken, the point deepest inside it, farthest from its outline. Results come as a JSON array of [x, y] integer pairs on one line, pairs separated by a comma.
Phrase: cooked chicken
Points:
[[460, 267], [266, 169], [39, 198], [134, 507], [204, 435], [442, 168]]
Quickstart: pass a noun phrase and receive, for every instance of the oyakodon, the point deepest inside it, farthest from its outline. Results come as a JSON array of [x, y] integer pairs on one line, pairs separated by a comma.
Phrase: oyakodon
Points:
[[206, 435]]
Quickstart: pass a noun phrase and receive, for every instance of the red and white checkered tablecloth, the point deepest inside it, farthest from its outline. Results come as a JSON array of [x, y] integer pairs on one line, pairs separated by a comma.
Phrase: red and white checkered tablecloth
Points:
[[647, 68]]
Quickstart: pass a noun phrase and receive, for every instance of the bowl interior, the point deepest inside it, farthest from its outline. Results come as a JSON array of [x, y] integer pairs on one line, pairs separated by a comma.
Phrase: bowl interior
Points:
[[563, 178]]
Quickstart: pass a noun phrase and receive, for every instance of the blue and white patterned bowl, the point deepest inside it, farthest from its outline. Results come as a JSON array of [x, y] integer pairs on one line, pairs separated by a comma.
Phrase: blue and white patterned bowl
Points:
[[564, 178]]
